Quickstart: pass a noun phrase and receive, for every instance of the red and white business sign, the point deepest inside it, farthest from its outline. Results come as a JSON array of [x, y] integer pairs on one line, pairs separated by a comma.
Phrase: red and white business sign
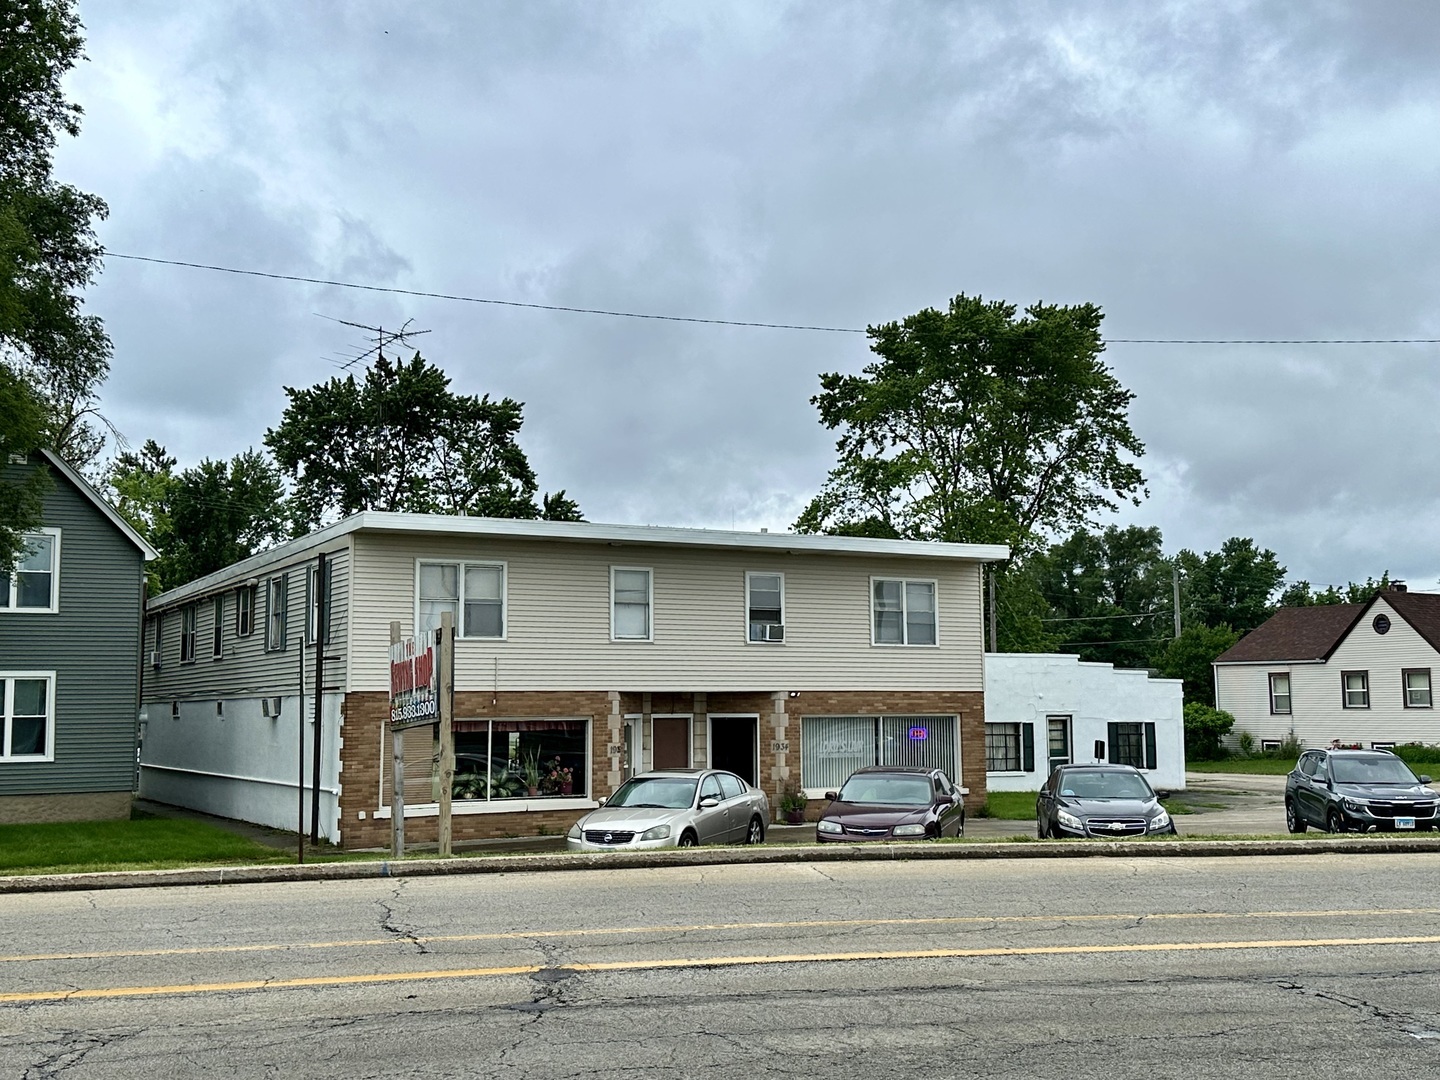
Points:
[[415, 681]]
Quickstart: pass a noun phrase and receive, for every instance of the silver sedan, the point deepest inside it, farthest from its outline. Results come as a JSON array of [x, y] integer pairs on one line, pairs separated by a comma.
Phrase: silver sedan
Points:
[[674, 808]]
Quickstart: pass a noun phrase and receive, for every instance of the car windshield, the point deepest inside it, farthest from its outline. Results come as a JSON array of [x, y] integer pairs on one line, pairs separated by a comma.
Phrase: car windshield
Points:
[[1376, 770], [1104, 785], [658, 792], [881, 790]]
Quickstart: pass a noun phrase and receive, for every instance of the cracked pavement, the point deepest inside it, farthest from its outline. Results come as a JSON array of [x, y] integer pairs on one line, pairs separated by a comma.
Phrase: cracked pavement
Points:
[[1150, 968]]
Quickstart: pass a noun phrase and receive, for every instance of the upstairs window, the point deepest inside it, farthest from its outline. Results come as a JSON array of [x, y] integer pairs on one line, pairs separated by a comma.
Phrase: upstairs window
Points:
[[472, 592], [1356, 686], [35, 585], [187, 634], [245, 610], [1280, 693], [277, 591], [317, 617], [630, 603], [1417, 688], [903, 612], [217, 627], [765, 606]]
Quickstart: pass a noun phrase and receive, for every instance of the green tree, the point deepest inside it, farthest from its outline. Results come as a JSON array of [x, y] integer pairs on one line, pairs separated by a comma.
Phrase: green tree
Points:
[[1189, 656], [48, 248], [1205, 726], [1300, 594], [1110, 593], [21, 497], [402, 440], [1236, 586], [977, 425]]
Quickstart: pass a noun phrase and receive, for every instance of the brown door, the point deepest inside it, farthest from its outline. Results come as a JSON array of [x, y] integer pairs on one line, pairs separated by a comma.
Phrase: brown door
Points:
[[671, 734]]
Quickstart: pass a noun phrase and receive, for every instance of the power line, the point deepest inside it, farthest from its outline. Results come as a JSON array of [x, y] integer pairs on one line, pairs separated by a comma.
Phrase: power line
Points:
[[1096, 618], [720, 322]]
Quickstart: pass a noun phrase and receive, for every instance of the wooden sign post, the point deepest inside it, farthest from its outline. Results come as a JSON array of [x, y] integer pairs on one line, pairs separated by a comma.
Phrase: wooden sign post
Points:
[[446, 649]]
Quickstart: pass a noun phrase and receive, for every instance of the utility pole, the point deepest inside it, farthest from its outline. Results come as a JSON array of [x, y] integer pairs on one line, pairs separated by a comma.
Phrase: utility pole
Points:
[[990, 578], [1175, 581]]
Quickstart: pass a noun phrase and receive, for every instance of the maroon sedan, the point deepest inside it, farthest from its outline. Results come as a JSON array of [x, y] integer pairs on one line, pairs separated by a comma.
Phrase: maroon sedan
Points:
[[893, 803]]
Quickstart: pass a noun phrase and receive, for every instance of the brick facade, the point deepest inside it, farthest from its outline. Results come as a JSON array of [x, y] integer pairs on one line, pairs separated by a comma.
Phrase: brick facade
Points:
[[365, 715]]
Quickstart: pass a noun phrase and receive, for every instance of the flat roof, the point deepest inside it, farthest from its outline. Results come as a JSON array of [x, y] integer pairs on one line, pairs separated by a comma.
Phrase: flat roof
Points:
[[581, 532]]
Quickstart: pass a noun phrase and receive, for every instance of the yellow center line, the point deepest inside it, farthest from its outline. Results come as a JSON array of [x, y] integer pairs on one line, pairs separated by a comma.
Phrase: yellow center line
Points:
[[703, 962], [813, 924]]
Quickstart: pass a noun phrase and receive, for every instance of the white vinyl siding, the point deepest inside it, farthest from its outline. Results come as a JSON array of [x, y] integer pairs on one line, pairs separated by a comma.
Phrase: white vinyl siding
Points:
[[559, 620]]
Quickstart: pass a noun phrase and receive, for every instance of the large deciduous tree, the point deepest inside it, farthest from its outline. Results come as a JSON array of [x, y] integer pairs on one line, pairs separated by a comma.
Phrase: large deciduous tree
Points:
[[1236, 586], [977, 424], [402, 440]]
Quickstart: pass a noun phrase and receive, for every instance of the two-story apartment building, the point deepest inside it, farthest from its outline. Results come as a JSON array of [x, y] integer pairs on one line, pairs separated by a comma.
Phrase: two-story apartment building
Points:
[[585, 652], [70, 619], [1356, 673]]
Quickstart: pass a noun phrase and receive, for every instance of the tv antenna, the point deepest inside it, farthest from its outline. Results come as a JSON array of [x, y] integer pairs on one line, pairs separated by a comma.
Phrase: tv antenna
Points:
[[380, 336]]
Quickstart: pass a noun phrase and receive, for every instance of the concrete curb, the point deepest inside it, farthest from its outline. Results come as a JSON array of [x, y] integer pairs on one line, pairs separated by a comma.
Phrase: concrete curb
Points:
[[793, 853]]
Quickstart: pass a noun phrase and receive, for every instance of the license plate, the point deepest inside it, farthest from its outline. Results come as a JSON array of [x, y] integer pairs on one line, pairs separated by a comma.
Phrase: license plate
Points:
[[1404, 823]]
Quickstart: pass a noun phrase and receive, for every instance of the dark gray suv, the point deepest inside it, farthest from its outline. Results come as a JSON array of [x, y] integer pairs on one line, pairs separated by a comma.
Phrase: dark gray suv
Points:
[[1364, 790]]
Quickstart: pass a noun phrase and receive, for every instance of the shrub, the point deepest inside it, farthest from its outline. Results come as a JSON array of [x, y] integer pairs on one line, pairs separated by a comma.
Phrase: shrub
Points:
[[1247, 743], [1204, 728], [1414, 753], [1289, 749]]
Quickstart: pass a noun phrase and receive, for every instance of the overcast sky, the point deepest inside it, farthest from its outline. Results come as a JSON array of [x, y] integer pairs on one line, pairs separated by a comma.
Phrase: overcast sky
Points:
[[1211, 170]]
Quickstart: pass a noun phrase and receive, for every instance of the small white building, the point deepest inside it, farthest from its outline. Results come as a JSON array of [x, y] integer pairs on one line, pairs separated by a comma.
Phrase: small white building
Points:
[[1049, 709], [1356, 673]]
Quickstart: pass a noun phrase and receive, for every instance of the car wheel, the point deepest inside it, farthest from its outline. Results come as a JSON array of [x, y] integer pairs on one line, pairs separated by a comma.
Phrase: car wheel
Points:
[[756, 833], [1334, 822], [1041, 833], [688, 839], [1293, 821]]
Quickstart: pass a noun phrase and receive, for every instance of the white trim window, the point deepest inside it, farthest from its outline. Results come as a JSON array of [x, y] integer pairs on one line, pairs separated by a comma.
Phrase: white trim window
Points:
[[187, 634], [28, 701], [474, 592], [632, 598], [245, 610], [1279, 693], [1417, 688], [277, 597], [903, 612], [1356, 687], [35, 584], [765, 607]]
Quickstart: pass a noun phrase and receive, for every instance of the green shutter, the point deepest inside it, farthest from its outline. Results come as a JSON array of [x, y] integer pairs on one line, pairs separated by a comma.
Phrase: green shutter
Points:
[[1027, 747], [1150, 746], [1111, 733]]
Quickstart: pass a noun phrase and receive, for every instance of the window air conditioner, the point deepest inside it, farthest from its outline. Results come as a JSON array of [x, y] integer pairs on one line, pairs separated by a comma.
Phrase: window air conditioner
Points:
[[155, 659], [772, 632], [270, 706]]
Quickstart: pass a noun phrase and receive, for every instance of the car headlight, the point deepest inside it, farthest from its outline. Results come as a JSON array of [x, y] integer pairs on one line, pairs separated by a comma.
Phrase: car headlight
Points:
[[909, 830], [659, 832], [574, 833], [1070, 821], [1353, 804], [828, 826], [1160, 821]]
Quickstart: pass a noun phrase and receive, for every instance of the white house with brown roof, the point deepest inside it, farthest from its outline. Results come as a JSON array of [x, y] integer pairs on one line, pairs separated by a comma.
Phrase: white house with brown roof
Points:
[[1358, 673]]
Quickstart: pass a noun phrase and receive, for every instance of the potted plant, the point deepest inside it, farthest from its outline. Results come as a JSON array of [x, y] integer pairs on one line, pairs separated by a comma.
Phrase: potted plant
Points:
[[792, 806], [558, 779], [530, 771]]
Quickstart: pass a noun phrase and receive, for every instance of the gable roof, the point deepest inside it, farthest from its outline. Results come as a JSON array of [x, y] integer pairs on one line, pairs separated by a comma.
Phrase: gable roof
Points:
[[1295, 633], [60, 465], [1313, 633], [580, 532]]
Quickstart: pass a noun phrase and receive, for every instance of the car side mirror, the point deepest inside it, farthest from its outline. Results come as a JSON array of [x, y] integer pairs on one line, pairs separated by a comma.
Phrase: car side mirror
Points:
[[1424, 779], [831, 796], [1163, 795], [600, 801], [708, 801]]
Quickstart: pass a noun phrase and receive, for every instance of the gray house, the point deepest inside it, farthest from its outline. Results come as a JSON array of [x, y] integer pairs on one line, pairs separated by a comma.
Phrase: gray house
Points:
[[70, 621]]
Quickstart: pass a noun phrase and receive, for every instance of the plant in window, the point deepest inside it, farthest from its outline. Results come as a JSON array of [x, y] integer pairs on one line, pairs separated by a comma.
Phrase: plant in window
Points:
[[530, 771], [556, 778]]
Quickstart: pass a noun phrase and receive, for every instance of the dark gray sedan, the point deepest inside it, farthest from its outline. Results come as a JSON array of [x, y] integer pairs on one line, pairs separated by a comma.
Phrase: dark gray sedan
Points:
[[1099, 801], [674, 808]]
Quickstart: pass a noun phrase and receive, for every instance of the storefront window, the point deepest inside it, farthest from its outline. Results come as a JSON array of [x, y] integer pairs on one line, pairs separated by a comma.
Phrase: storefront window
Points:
[[521, 759], [832, 747]]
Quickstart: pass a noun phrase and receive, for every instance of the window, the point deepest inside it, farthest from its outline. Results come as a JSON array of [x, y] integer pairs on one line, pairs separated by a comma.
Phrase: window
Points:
[[1382, 746], [1133, 744], [1004, 747], [1280, 693], [832, 747], [521, 759], [904, 612], [277, 591], [1269, 745], [630, 603], [187, 634], [1417, 687], [35, 585], [28, 701], [765, 606], [157, 655], [472, 592], [217, 628], [245, 610], [1356, 685]]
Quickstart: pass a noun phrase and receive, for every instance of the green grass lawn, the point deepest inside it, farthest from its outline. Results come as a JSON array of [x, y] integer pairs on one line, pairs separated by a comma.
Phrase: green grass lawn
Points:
[[145, 844], [1262, 766], [1009, 806]]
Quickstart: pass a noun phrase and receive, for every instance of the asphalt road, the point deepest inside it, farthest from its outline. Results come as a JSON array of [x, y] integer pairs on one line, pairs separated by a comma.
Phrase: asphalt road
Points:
[[1078, 968]]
